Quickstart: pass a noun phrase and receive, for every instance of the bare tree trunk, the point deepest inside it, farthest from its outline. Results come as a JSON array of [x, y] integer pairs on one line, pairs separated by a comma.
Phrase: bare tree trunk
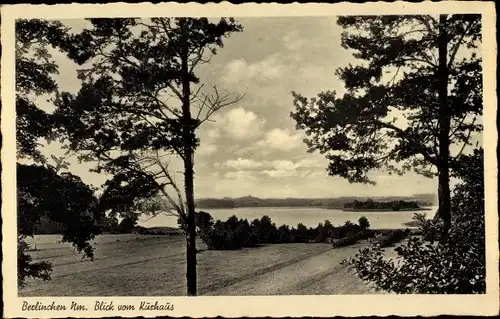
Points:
[[188, 174], [444, 131]]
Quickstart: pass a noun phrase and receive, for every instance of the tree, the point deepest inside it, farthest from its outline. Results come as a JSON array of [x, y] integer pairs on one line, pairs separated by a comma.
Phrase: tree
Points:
[[363, 223], [284, 234], [127, 224], [203, 220], [408, 120], [301, 235], [135, 109], [45, 193], [324, 231], [459, 266]]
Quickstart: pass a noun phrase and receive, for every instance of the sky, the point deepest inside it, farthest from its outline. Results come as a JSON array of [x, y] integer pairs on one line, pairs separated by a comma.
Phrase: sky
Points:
[[252, 147]]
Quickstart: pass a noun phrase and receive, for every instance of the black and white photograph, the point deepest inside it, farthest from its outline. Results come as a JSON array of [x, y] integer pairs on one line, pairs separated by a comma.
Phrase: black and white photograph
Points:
[[239, 155]]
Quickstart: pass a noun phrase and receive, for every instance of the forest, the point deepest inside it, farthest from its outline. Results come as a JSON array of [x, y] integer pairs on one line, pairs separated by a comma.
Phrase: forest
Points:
[[371, 205]]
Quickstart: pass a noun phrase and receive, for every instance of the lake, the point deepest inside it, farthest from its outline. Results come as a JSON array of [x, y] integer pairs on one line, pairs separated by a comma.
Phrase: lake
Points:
[[309, 216]]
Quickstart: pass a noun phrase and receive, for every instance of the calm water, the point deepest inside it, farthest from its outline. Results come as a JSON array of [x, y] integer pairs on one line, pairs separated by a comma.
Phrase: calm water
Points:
[[308, 216]]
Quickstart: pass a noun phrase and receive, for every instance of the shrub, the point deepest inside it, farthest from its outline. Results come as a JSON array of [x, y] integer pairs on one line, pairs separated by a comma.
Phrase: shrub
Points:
[[423, 266], [429, 228], [393, 236], [352, 238], [345, 241]]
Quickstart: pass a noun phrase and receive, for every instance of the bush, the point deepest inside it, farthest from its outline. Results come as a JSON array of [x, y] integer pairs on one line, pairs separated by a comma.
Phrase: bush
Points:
[[345, 241], [429, 228], [352, 238], [391, 237], [423, 266]]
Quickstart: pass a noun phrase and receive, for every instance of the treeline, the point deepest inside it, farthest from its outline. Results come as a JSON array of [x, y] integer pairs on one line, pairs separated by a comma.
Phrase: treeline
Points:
[[332, 203], [215, 203], [111, 225], [373, 205], [237, 233]]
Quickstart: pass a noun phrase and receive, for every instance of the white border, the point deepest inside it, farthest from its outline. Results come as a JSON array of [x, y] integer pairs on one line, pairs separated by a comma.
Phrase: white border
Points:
[[277, 306]]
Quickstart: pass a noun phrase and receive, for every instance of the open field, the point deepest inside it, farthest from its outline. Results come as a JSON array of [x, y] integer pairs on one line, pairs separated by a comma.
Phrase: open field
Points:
[[140, 265]]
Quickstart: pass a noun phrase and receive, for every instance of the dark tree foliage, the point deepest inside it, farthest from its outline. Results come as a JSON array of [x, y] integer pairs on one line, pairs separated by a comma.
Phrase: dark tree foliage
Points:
[[127, 224], [44, 194], [34, 70], [142, 102], [373, 205], [363, 222], [408, 120], [237, 233], [203, 221], [424, 266], [61, 198]]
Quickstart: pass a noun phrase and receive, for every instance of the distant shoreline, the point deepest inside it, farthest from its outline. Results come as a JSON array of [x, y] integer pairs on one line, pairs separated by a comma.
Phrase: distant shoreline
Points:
[[322, 207], [383, 209], [292, 207]]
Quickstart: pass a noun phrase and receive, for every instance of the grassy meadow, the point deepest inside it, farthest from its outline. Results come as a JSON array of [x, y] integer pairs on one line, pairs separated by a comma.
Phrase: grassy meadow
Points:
[[148, 265]]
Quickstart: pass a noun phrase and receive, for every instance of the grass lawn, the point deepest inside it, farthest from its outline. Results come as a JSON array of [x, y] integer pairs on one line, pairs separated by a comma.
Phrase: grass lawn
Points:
[[142, 265]]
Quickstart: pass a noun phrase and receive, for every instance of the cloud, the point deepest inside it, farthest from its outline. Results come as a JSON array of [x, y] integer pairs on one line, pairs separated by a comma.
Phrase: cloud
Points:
[[302, 168], [208, 140], [281, 140], [239, 70], [312, 163], [206, 149], [213, 134], [293, 42], [240, 175], [279, 173], [240, 124], [242, 164], [284, 165], [249, 168]]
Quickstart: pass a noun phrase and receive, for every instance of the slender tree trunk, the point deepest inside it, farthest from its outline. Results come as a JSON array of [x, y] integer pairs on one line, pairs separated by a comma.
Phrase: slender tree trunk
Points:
[[188, 175], [444, 131]]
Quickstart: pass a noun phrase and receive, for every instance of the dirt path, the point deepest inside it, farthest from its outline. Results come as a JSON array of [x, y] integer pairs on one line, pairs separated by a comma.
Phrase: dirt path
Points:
[[318, 272]]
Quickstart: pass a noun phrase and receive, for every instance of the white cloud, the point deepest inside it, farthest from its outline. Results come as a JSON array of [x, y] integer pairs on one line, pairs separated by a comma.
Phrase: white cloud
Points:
[[242, 164], [213, 134], [240, 124], [266, 69], [206, 149], [208, 139], [281, 140], [287, 168], [280, 173], [240, 175], [284, 165], [244, 167]]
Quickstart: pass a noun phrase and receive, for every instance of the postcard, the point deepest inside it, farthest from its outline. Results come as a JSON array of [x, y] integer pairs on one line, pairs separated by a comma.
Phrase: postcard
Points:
[[249, 160]]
